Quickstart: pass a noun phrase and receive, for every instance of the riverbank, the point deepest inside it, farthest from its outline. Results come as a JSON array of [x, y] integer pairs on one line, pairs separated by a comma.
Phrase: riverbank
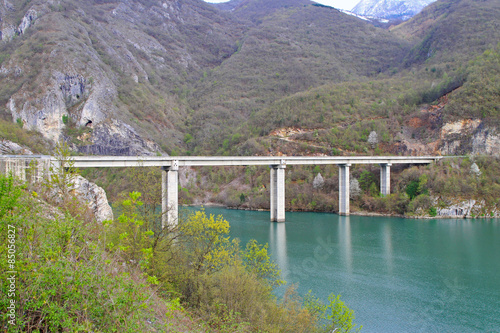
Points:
[[355, 213]]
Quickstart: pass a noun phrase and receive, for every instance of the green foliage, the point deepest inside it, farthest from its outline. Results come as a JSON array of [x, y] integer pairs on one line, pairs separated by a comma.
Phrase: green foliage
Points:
[[10, 192], [417, 187], [65, 278], [19, 122], [335, 316], [31, 139], [65, 119], [209, 247], [412, 189], [374, 190], [367, 181], [258, 262], [433, 211], [479, 96], [340, 316], [129, 233], [63, 175]]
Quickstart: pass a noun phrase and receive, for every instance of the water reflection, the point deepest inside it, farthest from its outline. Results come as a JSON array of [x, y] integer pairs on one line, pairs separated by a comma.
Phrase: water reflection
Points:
[[389, 251], [345, 240], [277, 246]]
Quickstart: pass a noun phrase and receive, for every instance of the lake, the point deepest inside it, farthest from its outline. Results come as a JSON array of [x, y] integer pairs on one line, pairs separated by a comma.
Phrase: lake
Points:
[[398, 275]]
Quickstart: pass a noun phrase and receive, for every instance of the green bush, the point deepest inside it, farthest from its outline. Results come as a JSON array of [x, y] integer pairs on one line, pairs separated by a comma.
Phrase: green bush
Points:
[[433, 211], [65, 278]]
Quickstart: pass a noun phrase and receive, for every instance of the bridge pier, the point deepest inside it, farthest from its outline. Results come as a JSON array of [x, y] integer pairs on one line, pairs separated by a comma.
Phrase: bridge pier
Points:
[[278, 192], [170, 195], [344, 189], [385, 179]]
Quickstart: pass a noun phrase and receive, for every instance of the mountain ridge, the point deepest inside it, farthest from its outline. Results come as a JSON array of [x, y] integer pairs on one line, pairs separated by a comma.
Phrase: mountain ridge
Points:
[[147, 77], [390, 9]]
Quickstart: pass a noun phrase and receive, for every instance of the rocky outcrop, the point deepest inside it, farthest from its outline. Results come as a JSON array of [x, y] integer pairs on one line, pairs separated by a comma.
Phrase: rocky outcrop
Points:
[[7, 29], [43, 114], [486, 141], [467, 208], [87, 192], [95, 197], [469, 136], [11, 148], [116, 138], [27, 21], [73, 87]]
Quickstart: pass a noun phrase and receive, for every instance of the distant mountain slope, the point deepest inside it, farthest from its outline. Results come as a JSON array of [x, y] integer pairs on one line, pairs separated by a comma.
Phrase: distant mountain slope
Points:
[[445, 99], [452, 30], [292, 50], [390, 9], [257, 10]]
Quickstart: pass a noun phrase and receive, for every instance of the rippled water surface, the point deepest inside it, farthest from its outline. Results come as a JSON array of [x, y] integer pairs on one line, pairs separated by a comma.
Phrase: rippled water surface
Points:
[[398, 275]]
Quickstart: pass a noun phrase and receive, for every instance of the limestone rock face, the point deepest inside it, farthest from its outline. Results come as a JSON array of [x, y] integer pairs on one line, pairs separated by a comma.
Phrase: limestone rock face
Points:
[[117, 138], [469, 136], [467, 208], [7, 28], [11, 148], [486, 141], [28, 19], [41, 114], [95, 197]]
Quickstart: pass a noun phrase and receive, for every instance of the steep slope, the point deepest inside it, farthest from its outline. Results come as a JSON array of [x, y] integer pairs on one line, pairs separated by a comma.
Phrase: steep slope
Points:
[[452, 30], [390, 9], [444, 102], [94, 68], [291, 50], [150, 76], [257, 10]]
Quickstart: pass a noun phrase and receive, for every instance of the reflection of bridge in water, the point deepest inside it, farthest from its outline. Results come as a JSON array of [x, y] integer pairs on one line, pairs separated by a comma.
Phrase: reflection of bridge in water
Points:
[[18, 164]]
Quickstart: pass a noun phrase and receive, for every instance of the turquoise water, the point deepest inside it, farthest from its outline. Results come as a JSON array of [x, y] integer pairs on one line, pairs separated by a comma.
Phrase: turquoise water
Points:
[[398, 275]]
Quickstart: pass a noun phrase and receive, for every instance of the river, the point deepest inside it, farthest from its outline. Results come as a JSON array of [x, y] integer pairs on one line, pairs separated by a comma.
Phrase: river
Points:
[[398, 275]]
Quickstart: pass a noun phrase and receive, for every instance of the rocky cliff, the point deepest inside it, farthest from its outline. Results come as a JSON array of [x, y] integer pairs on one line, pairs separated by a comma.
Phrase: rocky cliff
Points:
[[75, 58], [95, 198]]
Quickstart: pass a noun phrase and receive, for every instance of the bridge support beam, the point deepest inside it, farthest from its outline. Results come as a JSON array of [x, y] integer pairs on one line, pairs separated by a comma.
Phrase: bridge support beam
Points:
[[278, 192], [170, 195], [385, 179], [344, 189]]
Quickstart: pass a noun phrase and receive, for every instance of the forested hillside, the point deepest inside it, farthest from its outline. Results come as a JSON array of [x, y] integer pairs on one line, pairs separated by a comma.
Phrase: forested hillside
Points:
[[186, 77]]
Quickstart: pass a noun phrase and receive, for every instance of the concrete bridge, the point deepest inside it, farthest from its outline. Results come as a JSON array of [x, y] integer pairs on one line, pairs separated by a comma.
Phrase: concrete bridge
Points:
[[170, 166]]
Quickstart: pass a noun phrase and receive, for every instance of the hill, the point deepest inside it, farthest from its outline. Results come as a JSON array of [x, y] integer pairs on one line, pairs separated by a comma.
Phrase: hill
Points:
[[153, 77], [292, 50], [109, 72]]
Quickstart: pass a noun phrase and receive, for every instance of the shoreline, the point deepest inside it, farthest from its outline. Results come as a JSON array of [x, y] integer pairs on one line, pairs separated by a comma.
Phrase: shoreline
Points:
[[356, 213]]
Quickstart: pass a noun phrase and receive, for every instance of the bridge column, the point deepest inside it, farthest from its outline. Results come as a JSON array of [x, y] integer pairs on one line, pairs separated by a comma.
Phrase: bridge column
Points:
[[344, 189], [278, 192], [170, 195], [385, 178]]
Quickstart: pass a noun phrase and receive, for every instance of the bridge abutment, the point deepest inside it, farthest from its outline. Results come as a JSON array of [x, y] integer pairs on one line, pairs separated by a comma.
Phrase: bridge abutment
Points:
[[170, 195], [277, 195], [344, 189]]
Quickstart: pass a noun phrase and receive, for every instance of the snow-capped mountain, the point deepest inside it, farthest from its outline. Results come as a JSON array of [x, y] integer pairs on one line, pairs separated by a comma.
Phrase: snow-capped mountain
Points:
[[390, 9]]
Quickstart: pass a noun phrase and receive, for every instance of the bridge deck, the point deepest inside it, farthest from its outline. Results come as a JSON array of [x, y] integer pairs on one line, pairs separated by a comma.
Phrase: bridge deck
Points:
[[130, 161]]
